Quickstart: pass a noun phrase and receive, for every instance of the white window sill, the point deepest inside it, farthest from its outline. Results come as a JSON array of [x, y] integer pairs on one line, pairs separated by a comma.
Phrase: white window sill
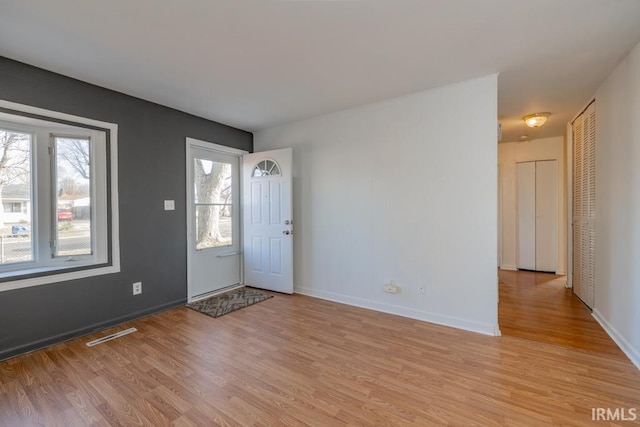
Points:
[[56, 275]]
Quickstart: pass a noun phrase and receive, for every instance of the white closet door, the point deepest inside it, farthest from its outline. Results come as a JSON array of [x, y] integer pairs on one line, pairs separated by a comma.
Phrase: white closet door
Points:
[[584, 205], [546, 216], [526, 195], [537, 215], [578, 149]]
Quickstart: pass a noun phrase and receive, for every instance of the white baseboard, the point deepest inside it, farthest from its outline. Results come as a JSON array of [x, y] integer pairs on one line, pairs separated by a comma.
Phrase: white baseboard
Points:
[[508, 267], [411, 313], [632, 353]]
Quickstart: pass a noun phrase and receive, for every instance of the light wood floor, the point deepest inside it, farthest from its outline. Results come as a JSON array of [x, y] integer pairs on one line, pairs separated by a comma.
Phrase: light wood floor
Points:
[[296, 360], [537, 306]]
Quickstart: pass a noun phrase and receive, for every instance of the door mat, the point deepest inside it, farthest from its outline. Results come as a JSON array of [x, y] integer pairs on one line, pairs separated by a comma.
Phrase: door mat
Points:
[[222, 304]]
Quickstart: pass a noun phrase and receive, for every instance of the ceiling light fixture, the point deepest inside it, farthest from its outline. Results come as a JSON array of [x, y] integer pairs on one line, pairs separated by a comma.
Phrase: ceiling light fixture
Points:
[[536, 120]]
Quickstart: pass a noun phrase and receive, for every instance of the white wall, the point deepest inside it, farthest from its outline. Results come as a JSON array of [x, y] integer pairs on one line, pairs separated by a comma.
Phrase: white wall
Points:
[[617, 299], [404, 190], [509, 154]]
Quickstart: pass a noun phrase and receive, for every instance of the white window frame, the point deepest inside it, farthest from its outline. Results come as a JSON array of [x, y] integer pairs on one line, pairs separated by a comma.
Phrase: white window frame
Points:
[[55, 272]]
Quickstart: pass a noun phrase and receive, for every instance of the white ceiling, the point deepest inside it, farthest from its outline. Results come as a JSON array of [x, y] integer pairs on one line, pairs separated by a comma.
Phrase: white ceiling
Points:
[[254, 64]]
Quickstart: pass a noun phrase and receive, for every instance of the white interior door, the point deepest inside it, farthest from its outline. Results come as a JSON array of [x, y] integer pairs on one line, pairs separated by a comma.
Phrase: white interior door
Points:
[[526, 196], [267, 220], [546, 216], [537, 215], [213, 213]]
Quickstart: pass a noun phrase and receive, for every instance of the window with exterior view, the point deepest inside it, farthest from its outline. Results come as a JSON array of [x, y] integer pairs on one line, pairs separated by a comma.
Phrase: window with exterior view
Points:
[[57, 220], [15, 193], [213, 203], [72, 168]]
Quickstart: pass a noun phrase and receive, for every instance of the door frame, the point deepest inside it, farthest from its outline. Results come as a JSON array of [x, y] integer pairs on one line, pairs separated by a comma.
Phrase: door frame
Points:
[[198, 143]]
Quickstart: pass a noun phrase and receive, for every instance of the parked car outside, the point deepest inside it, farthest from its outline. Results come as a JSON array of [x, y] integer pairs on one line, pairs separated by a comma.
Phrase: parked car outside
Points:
[[64, 215], [19, 230]]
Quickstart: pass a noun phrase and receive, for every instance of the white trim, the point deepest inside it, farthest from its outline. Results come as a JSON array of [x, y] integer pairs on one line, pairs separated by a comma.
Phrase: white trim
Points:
[[55, 277], [500, 207], [190, 144], [632, 353], [509, 267], [583, 109], [454, 322], [214, 293], [215, 147], [189, 199], [569, 219], [115, 223], [56, 115]]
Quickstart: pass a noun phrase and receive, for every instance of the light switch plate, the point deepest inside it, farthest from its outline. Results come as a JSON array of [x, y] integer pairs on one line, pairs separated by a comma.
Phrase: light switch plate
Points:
[[169, 205]]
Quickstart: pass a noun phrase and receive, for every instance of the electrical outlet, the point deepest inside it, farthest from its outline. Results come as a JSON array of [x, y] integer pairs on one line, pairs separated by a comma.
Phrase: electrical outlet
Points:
[[422, 289], [169, 205], [137, 288], [392, 288]]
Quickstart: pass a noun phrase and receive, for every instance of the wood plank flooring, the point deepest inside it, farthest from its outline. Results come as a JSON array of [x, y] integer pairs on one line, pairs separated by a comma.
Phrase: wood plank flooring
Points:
[[537, 306], [296, 360]]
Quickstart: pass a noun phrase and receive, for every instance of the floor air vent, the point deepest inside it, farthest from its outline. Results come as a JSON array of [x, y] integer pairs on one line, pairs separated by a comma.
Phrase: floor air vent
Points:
[[111, 337]]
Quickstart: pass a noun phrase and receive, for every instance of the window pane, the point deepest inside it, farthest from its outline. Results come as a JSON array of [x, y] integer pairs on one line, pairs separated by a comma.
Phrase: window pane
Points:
[[213, 226], [266, 168], [213, 198], [72, 219], [15, 191]]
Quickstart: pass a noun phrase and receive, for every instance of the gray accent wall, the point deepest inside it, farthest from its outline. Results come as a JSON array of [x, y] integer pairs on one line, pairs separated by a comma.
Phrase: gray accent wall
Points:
[[151, 168]]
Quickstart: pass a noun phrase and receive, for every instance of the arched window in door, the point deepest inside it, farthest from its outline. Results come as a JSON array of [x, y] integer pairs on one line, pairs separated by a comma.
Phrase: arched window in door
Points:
[[266, 168]]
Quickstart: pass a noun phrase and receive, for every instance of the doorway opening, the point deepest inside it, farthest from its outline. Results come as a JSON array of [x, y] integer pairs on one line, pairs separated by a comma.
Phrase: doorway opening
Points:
[[239, 219], [533, 222]]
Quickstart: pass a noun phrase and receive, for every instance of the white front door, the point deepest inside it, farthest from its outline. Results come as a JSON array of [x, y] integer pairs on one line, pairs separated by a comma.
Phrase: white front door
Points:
[[213, 209], [267, 220]]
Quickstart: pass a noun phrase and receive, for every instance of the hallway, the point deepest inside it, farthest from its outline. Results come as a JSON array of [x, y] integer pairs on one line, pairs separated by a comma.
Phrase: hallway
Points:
[[537, 306]]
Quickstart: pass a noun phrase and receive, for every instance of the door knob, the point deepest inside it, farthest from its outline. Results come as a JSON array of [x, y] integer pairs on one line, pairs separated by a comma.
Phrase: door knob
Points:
[[287, 232]]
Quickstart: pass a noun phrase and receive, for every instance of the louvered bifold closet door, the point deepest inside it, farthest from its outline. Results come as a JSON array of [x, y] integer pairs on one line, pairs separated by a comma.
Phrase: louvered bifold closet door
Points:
[[589, 253], [584, 212], [577, 204]]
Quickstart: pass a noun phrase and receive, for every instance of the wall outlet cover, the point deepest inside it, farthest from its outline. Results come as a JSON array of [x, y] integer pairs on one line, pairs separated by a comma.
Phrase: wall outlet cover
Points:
[[391, 288], [137, 288]]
